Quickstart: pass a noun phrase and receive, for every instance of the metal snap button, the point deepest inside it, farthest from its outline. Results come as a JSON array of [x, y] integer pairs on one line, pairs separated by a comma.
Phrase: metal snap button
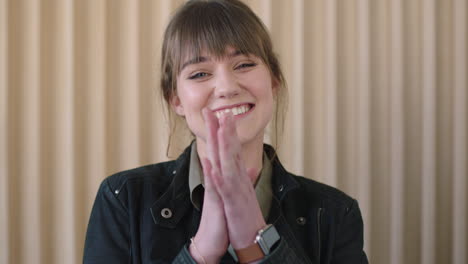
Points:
[[166, 213], [174, 172], [116, 191], [281, 188], [301, 220]]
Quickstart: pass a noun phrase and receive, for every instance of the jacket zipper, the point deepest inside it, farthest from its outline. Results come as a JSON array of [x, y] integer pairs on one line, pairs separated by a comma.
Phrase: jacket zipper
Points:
[[319, 218]]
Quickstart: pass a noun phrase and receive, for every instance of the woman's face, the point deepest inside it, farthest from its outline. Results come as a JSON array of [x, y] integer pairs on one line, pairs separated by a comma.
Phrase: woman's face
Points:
[[236, 82]]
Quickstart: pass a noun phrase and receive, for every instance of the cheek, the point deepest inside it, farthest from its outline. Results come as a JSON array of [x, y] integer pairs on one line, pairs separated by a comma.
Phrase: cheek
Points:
[[262, 83], [192, 98], [264, 90]]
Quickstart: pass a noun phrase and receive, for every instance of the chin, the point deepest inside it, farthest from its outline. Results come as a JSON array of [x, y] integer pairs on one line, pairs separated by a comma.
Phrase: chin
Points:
[[247, 136]]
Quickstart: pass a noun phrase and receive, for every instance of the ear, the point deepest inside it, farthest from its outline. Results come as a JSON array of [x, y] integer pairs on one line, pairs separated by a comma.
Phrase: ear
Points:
[[275, 85], [177, 106]]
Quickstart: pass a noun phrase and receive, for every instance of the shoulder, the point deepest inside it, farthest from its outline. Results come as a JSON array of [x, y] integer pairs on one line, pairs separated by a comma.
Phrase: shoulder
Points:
[[142, 186], [160, 173], [325, 195], [138, 187], [323, 190], [300, 188]]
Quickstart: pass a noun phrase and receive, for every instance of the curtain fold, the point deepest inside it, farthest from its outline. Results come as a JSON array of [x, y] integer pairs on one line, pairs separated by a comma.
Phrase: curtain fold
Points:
[[378, 96]]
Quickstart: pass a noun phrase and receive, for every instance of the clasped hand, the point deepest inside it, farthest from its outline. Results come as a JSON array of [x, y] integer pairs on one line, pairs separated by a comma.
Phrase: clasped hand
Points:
[[231, 213]]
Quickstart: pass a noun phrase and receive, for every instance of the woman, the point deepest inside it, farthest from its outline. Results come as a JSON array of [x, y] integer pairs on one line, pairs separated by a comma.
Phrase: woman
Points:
[[226, 199]]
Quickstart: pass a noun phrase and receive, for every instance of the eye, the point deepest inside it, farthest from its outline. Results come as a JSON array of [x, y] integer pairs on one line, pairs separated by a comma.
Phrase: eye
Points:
[[246, 65], [197, 75]]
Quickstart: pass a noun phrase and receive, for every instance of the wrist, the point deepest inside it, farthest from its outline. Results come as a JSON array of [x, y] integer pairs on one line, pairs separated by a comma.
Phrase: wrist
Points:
[[195, 253], [199, 253], [262, 246], [244, 237]]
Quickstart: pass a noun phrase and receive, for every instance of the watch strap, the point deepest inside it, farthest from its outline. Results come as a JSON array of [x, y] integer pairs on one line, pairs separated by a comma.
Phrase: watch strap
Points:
[[249, 254], [264, 241]]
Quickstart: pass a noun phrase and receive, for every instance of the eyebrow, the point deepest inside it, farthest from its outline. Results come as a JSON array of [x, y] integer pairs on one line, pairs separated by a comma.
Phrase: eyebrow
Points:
[[201, 59]]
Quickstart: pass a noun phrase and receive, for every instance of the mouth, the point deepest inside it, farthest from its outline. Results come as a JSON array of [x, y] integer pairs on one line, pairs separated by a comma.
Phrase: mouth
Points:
[[236, 110]]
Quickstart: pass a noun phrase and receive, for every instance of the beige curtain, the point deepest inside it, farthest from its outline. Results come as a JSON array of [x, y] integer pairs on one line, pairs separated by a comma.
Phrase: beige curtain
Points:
[[378, 108]]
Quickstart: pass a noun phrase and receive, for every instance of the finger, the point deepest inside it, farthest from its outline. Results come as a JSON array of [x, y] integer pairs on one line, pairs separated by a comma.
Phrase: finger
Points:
[[212, 177], [232, 136], [207, 168], [243, 173], [253, 174], [229, 146], [212, 126]]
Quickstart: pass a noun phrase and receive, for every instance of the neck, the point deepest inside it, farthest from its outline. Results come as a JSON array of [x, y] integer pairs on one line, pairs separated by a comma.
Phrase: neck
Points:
[[251, 153]]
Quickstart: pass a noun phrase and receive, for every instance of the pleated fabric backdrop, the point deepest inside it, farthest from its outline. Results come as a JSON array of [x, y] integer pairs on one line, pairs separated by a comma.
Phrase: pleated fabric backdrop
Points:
[[378, 108]]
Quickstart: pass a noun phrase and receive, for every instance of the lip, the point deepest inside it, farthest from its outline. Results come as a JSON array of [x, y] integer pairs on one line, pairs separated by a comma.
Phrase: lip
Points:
[[232, 106]]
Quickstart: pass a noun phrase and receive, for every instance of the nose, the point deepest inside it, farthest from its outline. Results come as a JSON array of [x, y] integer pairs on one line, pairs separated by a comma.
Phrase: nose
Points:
[[226, 85]]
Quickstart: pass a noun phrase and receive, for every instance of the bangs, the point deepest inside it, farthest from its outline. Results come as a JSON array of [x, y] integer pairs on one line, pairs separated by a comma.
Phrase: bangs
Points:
[[210, 28]]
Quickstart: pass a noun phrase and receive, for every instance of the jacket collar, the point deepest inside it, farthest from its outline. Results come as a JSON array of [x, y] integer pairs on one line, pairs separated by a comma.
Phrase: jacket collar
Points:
[[177, 196], [282, 181]]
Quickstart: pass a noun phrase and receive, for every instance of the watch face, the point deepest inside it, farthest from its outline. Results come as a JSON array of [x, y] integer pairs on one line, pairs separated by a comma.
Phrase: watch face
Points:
[[267, 238]]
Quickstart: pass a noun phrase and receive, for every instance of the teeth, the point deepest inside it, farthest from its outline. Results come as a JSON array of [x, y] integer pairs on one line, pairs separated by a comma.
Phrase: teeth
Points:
[[235, 111]]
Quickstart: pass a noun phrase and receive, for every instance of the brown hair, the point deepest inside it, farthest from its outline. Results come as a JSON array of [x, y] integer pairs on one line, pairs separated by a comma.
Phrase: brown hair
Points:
[[211, 26]]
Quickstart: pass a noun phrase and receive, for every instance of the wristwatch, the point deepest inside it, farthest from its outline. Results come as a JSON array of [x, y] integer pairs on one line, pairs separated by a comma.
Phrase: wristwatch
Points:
[[264, 241]]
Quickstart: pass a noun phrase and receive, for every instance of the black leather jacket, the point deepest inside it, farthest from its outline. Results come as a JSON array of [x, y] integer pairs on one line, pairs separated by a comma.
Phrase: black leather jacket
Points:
[[145, 215]]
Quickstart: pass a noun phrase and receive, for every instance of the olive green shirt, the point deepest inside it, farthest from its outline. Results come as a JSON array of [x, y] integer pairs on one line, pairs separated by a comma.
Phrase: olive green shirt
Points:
[[263, 187]]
